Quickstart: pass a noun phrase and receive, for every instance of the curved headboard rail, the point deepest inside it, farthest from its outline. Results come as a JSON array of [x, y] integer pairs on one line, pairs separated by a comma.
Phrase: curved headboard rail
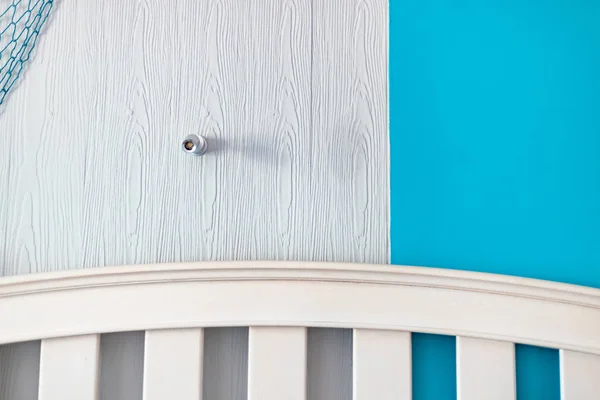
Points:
[[210, 294]]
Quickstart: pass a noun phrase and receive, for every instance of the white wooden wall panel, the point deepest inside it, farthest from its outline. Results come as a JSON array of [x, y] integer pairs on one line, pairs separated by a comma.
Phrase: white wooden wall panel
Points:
[[382, 365], [92, 173], [277, 363], [292, 96], [579, 375], [350, 128], [69, 368], [173, 364], [485, 369]]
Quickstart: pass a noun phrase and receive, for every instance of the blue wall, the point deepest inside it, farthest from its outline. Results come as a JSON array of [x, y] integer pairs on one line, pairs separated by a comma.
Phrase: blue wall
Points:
[[495, 147]]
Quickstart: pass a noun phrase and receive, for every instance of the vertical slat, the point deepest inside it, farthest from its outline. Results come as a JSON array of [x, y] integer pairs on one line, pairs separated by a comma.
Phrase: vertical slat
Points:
[[277, 363], [382, 365], [579, 376], [69, 368], [173, 364], [485, 369]]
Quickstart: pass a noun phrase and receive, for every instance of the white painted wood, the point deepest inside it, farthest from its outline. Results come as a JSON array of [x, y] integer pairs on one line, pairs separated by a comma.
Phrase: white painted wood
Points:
[[350, 124], [485, 369], [225, 364], [173, 364], [277, 363], [69, 368], [381, 365], [90, 168], [450, 302], [91, 173], [579, 375], [19, 370]]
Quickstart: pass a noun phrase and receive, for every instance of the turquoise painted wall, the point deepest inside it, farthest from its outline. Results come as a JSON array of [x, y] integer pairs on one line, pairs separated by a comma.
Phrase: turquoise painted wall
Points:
[[495, 153]]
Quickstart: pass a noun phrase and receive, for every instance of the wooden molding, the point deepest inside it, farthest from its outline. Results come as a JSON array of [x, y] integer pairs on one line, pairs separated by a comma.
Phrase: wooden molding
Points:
[[190, 295]]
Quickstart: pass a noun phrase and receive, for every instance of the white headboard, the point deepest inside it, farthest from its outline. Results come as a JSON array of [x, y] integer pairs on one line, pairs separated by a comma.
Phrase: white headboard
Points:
[[278, 301]]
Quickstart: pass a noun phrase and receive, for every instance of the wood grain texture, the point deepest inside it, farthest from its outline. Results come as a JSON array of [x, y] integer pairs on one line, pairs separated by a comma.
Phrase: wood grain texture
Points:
[[350, 129], [19, 370], [485, 369], [69, 368], [381, 365], [225, 372], [91, 173], [579, 375]]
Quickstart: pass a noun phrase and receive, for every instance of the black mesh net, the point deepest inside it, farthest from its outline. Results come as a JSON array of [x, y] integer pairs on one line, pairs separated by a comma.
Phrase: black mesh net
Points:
[[20, 24]]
